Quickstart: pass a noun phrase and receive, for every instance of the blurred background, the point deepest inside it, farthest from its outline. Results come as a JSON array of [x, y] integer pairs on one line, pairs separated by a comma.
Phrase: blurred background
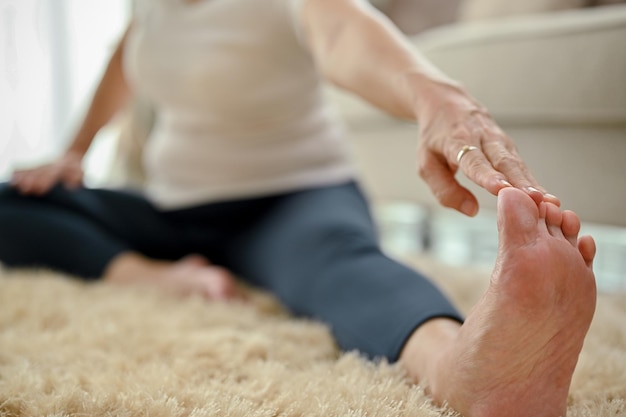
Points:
[[52, 54], [552, 72]]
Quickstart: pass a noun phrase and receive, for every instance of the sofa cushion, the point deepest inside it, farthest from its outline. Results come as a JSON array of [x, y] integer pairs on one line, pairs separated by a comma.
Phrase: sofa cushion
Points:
[[486, 9], [413, 17], [564, 67]]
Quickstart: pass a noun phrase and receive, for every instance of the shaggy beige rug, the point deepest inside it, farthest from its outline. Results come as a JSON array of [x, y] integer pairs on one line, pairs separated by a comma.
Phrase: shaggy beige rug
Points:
[[70, 349]]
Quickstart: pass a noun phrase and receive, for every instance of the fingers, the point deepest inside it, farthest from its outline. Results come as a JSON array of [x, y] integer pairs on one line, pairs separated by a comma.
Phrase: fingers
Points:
[[40, 181], [23, 181], [507, 161], [496, 163], [33, 182], [436, 173], [475, 165]]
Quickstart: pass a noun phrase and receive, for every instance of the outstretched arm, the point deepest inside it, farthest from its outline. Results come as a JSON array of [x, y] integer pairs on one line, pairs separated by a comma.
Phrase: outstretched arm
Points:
[[357, 48]]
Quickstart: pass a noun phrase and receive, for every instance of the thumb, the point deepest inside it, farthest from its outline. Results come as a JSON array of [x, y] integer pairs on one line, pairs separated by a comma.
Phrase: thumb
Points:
[[447, 189]]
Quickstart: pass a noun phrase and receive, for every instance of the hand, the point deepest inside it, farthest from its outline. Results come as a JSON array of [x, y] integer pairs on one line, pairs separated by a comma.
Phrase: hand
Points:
[[38, 181], [450, 119]]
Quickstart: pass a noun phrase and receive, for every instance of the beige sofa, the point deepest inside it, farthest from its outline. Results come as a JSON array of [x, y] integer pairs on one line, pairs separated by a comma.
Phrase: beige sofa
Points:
[[555, 82]]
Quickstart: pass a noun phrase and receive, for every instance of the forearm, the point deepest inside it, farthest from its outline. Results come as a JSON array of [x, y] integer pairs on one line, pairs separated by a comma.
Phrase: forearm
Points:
[[360, 50], [110, 96]]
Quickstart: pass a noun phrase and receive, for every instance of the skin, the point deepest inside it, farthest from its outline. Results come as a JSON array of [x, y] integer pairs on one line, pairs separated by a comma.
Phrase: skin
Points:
[[517, 350], [542, 288], [192, 275], [360, 50]]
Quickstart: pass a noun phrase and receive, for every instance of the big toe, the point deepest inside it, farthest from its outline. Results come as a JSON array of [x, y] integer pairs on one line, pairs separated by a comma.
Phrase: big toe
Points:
[[518, 217]]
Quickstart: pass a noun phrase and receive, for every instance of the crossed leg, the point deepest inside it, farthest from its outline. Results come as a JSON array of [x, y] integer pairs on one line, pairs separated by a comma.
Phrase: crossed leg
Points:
[[516, 352]]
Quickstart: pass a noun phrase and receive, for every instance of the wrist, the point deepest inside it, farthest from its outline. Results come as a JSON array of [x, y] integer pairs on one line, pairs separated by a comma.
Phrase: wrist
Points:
[[74, 154], [432, 93]]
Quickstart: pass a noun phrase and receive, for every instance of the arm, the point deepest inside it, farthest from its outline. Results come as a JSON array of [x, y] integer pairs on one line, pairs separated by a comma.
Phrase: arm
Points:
[[111, 95], [358, 49]]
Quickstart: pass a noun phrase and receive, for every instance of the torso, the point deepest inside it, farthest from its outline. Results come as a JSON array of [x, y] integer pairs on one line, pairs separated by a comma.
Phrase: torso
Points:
[[238, 99]]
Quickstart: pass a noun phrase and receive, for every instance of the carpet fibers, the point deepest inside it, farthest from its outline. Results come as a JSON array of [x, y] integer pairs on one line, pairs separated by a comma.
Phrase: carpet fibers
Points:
[[72, 349]]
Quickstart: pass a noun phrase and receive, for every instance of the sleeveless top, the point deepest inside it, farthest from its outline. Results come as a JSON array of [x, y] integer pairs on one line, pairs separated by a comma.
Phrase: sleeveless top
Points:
[[239, 102]]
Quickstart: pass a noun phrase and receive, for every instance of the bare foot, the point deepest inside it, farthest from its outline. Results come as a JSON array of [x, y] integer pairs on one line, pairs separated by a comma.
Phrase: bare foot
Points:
[[191, 275], [515, 354], [196, 275]]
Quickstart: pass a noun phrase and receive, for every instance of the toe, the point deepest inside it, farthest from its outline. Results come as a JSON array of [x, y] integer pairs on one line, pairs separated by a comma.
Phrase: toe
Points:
[[518, 216], [570, 226], [222, 285], [194, 260], [587, 248], [554, 220]]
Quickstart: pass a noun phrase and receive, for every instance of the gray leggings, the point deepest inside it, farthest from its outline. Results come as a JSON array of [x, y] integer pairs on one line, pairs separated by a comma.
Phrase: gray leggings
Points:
[[315, 249]]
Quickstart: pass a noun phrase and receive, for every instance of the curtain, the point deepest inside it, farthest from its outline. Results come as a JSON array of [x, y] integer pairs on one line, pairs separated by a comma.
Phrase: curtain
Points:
[[52, 54]]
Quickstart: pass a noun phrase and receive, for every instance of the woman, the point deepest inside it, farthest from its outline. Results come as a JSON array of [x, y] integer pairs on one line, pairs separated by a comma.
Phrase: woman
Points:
[[246, 168]]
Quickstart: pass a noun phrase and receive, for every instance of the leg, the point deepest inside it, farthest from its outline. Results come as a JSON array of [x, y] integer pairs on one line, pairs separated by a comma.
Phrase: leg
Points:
[[317, 251], [101, 233], [516, 352], [60, 231]]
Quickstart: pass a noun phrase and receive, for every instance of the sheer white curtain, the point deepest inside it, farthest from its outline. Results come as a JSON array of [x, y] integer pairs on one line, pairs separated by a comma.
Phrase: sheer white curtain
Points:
[[52, 54]]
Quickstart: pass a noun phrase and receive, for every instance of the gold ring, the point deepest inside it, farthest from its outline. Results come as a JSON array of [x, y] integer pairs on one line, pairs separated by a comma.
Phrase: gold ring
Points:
[[465, 149]]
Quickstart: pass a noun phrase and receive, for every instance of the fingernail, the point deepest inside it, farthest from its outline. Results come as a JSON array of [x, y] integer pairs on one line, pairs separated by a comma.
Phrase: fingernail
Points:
[[469, 208], [506, 183], [533, 190], [553, 199]]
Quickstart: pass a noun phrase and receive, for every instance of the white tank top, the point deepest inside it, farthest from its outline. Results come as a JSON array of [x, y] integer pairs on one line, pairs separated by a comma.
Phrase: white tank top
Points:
[[239, 103]]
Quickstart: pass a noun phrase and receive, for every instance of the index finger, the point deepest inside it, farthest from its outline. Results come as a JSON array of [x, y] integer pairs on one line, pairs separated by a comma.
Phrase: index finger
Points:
[[471, 160], [507, 161]]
